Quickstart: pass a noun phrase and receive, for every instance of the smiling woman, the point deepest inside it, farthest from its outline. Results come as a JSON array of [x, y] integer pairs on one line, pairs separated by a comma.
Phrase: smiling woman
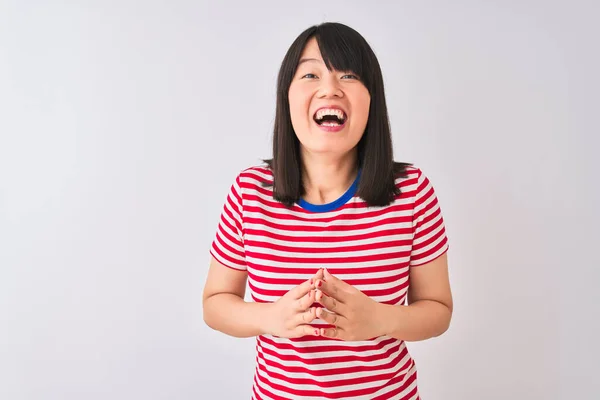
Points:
[[344, 250], [345, 114]]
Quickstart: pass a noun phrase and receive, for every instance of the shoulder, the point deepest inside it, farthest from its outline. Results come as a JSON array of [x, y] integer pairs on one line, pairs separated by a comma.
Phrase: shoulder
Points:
[[252, 180], [414, 183], [255, 175], [409, 177]]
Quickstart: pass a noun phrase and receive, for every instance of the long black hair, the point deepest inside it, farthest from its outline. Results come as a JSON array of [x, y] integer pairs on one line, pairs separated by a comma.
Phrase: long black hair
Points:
[[342, 49]]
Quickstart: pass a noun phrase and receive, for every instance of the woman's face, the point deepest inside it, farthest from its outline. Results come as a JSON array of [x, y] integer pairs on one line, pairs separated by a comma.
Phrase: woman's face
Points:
[[329, 109]]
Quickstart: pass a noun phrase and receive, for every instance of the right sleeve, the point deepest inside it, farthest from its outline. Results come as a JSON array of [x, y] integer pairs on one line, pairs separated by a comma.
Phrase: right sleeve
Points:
[[228, 244]]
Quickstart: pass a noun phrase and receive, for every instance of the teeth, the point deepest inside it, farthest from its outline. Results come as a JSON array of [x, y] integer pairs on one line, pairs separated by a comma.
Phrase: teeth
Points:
[[330, 111]]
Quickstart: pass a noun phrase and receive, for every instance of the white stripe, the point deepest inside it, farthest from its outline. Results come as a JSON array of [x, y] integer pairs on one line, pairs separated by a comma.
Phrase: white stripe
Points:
[[399, 238], [344, 388], [394, 237], [294, 230], [417, 252], [327, 366], [346, 264], [388, 388], [331, 343], [317, 254], [327, 224], [372, 286]]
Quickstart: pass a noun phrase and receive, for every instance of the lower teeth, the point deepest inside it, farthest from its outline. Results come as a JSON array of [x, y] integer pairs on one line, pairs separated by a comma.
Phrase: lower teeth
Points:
[[330, 124]]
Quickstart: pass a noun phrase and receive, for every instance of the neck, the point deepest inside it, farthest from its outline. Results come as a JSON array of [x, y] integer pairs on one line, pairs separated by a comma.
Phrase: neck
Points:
[[326, 179]]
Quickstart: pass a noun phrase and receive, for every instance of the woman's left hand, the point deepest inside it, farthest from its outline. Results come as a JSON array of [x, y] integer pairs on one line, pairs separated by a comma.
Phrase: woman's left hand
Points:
[[355, 315]]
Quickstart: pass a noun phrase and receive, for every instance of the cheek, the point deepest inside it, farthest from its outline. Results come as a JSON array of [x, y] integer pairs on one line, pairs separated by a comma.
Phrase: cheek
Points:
[[298, 106], [362, 109]]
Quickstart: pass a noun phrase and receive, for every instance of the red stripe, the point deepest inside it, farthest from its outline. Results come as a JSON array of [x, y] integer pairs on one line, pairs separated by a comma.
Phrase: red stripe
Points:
[[311, 393], [337, 271], [336, 371], [324, 228], [409, 379], [256, 395], [238, 216], [323, 394], [327, 260], [223, 234], [425, 231], [224, 258], [354, 282], [267, 392], [423, 256], [332, 348], [312, 218], [300, 242], [340, 249], [331, 383], [368, 292], [394, 232]]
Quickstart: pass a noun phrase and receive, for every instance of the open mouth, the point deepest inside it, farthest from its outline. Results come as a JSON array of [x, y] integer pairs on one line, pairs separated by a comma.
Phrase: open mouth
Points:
[[330, 117]]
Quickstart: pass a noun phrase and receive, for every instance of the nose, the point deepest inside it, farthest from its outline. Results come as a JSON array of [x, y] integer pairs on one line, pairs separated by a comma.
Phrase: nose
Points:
[[330, 87]]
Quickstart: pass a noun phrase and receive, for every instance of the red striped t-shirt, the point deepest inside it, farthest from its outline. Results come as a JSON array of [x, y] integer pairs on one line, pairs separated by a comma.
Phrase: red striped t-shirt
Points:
[[371, 248]]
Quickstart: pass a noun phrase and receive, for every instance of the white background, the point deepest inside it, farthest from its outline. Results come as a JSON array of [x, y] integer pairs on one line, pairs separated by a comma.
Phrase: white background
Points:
[[123, 124]]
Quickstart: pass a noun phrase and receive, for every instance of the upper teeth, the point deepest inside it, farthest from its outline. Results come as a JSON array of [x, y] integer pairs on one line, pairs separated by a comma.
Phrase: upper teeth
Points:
[[330, 111]]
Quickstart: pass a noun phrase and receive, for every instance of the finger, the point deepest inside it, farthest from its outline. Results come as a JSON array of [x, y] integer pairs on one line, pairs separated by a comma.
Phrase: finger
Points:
[[306, 317], [318, 278], [334, 287], [302, 289], [333, 333], [320, 274], [330, 303], [306, 330], [306, 301], [329, 317]]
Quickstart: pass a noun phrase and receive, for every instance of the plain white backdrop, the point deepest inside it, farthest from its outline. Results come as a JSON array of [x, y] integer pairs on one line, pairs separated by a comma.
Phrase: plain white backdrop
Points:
[[123, 124]]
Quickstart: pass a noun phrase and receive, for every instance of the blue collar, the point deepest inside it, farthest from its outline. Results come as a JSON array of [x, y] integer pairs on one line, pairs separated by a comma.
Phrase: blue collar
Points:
[[334, 204]]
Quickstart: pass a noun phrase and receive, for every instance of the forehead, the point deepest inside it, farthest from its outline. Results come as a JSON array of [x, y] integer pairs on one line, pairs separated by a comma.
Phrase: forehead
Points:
[[311, 52]]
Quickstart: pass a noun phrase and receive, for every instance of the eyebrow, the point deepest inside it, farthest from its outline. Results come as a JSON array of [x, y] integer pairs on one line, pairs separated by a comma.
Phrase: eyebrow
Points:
[[307, 60]]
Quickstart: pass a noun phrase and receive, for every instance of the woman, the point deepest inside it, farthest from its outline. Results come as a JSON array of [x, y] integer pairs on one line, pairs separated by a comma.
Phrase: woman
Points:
[[328, 234]]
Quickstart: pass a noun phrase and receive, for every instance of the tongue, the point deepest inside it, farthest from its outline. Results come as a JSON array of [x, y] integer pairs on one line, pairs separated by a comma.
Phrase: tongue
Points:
[[329, 121]]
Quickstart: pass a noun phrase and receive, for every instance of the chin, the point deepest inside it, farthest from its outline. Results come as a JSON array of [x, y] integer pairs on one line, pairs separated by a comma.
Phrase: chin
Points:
[[328, 149]]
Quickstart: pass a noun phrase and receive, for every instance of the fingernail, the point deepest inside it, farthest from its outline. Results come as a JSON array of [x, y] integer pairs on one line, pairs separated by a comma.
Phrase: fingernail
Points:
[[316, 332], [319, 283], [311, 281]]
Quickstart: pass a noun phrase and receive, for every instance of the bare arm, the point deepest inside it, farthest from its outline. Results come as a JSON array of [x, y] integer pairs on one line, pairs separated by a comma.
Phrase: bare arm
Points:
[[430, 304], [223, 303], [226, 310]]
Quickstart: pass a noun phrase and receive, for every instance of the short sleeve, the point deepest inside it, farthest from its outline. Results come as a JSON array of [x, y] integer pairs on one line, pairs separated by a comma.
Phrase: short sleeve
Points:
[[228, 244], [429, 232]]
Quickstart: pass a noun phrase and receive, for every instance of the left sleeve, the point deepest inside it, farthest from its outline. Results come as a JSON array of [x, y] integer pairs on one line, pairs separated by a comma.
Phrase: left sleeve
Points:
[[429, 232]]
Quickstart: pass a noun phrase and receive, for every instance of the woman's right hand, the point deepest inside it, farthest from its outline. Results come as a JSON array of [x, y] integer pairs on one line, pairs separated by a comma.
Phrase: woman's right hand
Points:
[[291, 315]]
